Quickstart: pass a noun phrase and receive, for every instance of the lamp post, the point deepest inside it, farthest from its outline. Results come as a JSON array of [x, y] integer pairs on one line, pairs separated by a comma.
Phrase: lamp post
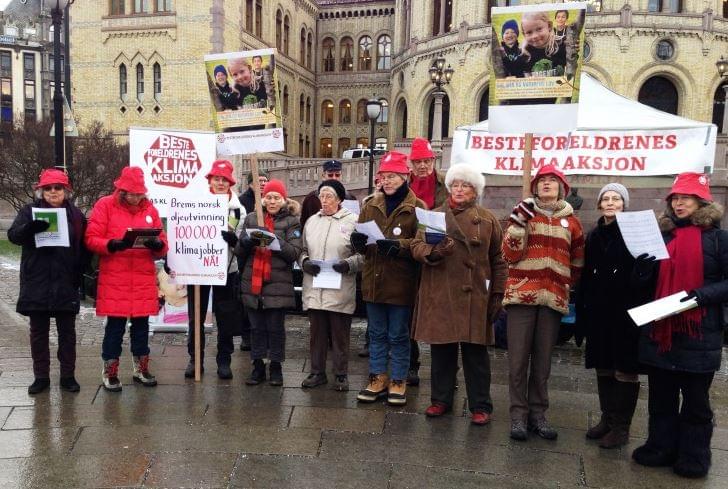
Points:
[[374, 107], [57, 7], [722, 65], [439, 76]]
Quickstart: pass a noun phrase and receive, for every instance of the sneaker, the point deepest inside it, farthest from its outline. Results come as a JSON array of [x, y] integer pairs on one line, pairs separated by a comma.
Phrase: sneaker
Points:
[[436, 409], [314, 380], [542, 429], [376, 388], [110, 375], [69, 384], [480, 418], [413, 376], [518, 430], [275, 374], [396, 394], [142, 373], [190, 370], [39, 385], [258, 374], [341, 383]]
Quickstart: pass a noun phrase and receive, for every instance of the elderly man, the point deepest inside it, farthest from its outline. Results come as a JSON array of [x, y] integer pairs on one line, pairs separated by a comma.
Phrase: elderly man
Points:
[[331, 170], [427, 183]]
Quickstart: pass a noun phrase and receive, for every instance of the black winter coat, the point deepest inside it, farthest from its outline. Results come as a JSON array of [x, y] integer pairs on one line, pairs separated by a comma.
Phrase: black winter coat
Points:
[[247, 199], [50, 276], [703, 354]]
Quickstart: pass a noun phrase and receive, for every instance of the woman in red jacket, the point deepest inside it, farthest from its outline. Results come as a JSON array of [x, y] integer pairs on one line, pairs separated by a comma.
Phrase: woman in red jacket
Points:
[[127, 284]]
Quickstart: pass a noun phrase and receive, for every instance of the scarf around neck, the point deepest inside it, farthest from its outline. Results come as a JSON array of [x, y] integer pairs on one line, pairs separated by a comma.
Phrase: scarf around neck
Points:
[[393, 201], [261, 262], [424, 188]]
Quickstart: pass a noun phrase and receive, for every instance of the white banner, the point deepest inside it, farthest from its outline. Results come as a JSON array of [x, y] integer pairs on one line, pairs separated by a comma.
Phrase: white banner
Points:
[[249, 142], [623, 153], [197, 253], [172, 161]]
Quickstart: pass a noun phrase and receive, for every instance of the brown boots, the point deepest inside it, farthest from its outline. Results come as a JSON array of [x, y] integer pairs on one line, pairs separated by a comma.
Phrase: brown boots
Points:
[[617, 401]]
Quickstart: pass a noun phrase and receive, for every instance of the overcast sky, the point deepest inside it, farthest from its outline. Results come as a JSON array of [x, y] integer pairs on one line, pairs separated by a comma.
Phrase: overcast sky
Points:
[[3, 3]]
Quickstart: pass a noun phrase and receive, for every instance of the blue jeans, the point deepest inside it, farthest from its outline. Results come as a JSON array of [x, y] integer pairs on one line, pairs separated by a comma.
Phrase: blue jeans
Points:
[[389, 337], [114, 335]]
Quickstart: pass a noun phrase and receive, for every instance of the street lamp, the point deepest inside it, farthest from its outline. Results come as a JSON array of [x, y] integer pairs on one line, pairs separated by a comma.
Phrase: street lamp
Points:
[[374, 107], [439, 76], [722, 65], [57, 7]]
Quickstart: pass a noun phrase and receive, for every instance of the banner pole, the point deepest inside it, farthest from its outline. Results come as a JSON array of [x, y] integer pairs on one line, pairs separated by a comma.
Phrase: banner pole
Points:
[[527, 163], [198, 327], [256, 190]]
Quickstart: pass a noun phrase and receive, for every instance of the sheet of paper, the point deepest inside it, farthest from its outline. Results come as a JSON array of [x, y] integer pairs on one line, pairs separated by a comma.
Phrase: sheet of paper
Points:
[[57, 232], [327, 278], [371, 229], [661, 308], [352, 205], [274, 245], [431, 220], [641, 234]]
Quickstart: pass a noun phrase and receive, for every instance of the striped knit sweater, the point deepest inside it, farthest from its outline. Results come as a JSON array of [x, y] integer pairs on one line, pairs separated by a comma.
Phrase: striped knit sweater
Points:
[[544, 259]]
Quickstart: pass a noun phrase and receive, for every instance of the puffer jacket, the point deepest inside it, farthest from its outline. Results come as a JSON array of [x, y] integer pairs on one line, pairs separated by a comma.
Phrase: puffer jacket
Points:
[[329, 238], [277, 292], [127, 284], [702, 354]]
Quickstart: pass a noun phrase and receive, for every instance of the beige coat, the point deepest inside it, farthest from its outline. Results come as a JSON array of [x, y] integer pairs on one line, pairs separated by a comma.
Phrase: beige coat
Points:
[[452, 302], [328, 238]]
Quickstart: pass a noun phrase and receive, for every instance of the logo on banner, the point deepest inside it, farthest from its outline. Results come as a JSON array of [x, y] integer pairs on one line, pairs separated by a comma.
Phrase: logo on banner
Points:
[[220, 138], [277, 133], [173, 161]]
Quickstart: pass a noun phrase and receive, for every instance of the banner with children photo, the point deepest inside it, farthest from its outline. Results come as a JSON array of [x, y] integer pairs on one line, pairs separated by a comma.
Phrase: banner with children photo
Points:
[[243, 90], [536, 59]]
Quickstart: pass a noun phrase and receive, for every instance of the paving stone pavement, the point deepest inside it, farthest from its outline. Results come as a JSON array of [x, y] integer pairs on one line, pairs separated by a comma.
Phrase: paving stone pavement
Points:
[[223, 434]]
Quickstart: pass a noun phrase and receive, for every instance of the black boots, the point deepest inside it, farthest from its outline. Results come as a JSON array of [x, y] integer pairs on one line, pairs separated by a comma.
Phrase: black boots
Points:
[[258, 374], [605, 388], [693, 456], [620, 419], [275, 376], [39, 385], [662, 441]]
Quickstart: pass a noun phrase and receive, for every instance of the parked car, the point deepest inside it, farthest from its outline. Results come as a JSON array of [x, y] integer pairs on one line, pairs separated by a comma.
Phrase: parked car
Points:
[[360, 153]]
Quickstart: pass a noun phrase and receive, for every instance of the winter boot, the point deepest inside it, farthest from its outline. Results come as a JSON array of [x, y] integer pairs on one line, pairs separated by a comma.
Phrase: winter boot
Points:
[[110, 375], [258, 374], [39, 385], [693, 456], [660, 450], [190, 370], [396, 394], [413, 374], [275, 374], [142, 373], [341, 383], [376, 388], [69, 384], [605, 387], [625, 401], [224, 371]]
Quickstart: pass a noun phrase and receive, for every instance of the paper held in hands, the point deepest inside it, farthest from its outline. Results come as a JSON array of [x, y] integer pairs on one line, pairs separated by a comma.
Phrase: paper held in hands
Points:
[[371, 229], [431, 221], [267, 238], [57, 232], [661, 308], [327, 278], [642, 234]]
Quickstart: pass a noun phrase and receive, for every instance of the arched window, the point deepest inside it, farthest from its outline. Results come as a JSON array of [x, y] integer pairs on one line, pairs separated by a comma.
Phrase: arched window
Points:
[[309, 51], [286, 34], [300, 145], [725, 10], [325, 148], [285, 100], [279, 30], [345, 112], [122, 81], [384, 52], [361, 112], [249, 16], [327, 112], [401, 118], [308, 147], [343, 145], [483, 108], [719, 106], [157, 71], [445, 118], [139, 81], [362, 142], [259, 18], [441, 17], [384, 112], [116, 7], [328, 56], [660, 93], [302, 47], [346, 51], [301, 108], [308, 110], [365, 53]]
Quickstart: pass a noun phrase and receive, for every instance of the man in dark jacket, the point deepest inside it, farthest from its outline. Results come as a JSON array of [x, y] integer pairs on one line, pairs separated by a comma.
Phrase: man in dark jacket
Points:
[[247, 198], [331, 170]]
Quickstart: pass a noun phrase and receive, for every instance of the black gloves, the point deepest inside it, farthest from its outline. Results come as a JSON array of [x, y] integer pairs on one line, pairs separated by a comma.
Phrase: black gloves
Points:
[[359, 242], [644, 264], [154, 244], [310, 268], [38, 226], [229, 238], [522, 213], [388, 247], [692, 295], [249, 243], [115, 245], [342, 267]]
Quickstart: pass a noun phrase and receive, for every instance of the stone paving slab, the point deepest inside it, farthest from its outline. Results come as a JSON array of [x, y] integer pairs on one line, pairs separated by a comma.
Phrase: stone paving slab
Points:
[[191, 469]]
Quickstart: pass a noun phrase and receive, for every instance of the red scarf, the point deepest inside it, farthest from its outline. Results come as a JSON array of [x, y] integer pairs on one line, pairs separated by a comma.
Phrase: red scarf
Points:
[[261, 262], [424, 188], [682, 271]]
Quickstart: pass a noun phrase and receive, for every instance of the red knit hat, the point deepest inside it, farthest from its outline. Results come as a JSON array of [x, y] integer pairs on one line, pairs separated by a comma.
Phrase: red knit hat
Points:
[[221, 168], [131, 180], [690, 183], [421, 149], [51, 176], [549, 170], [275, 186], [394, 162]]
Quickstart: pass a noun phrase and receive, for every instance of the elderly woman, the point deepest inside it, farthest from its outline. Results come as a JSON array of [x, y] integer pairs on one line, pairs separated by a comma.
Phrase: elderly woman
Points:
[[127, 284], [682, 352], [544, 248], [49, 279], [268, 279], [326, 238], [469, 265]]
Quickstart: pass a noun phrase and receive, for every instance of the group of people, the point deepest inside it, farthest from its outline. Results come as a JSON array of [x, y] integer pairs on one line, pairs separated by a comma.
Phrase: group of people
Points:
[[444, 289]]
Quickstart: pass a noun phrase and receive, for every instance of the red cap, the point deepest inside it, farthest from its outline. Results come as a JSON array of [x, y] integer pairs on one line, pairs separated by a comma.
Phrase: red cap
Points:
[[275, 186], [394, 162], [221, 168], [549, 170], [51, 176], [131, 180], [421, 149], [690, 183]]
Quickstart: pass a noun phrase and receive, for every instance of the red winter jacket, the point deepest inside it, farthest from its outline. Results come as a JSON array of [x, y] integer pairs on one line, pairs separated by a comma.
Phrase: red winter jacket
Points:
[[127, 284]]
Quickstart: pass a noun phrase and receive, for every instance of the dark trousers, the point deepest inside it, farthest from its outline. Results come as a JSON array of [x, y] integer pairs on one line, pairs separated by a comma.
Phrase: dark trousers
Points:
[[228, 311], [267, 334], [325, 325], [665, 388], [476, 366], [114, 335], [40, 325]]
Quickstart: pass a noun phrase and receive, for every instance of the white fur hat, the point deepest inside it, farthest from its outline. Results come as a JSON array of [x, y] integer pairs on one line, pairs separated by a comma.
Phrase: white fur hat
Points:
[[465, 173]]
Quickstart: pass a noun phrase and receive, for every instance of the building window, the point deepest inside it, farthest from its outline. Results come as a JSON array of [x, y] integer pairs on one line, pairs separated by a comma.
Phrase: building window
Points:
[[362, 142], [279, 30], [285, 100], [122, 81], [441, 17], [139, 81], [587, 51], [660, 93], [445, 117], [308, 110], [286, 34], [365, 54], [6, 100], [343, 145], [361, 112], [327, 112], [345, 112], [346, 50], [52, 63], [593, 6], [116, 7], [300, 109], [328, 55], [483, 108], [164, 5], [308, 147], [29, 96], [325, 148], [300, 145], [384, 113], [719, 106], [309, 51], [29, 66], [302, 47], [725, 10], [29, 86], [6, 64], [157, 79], [654, 5], [249, 16], [259, 18], [402, 118], [384, 52], [665, 50], [142, 6]]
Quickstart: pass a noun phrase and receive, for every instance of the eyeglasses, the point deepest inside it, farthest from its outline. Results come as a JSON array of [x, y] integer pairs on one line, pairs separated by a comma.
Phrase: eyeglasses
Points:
[[57, 188], [333, 174]]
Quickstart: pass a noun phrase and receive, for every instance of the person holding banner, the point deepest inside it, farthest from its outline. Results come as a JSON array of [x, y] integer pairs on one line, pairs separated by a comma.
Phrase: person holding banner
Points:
[[468, 263], [225, 298], [682, 352], [267, 279], [50, 277], [247, 198], [544, 248], [127, 283]]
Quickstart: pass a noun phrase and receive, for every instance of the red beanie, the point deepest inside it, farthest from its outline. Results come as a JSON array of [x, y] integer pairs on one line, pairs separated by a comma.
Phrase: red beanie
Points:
[[553, 171], [394, 162], [221, 168], [275, 186], [421, 149], [690, 183], [131, 180], [51, 176]]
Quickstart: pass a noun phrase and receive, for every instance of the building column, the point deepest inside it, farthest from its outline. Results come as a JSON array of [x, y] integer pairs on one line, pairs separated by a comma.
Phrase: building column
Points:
[[725, 109], [437, 117], [443, 6]]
